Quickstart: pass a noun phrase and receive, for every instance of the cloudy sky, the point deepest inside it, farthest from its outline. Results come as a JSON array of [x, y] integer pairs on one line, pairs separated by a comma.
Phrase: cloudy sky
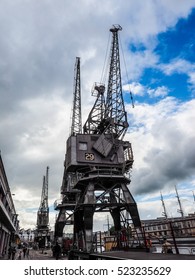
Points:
[[38, 45]]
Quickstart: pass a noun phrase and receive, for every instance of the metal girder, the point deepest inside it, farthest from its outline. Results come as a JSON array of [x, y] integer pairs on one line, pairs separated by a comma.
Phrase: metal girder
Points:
[[76, 110]]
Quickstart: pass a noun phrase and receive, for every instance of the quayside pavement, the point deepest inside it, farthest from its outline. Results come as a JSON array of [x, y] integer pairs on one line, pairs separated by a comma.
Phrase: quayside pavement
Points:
[[45, 255], [112, 255], [37, 255]]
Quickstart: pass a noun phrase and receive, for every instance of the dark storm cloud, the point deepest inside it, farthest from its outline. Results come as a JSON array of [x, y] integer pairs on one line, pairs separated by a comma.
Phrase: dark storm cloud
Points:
[[33, 61]]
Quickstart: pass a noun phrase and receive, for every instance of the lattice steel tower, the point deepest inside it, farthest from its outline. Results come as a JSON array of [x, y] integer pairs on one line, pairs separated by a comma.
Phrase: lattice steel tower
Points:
[[69, 194], [76, 112], [43, 212], [98, 160]]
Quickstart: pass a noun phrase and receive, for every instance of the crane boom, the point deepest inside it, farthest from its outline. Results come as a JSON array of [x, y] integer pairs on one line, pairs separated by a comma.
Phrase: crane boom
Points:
[[76, 113], [115, 109], [43, 212]]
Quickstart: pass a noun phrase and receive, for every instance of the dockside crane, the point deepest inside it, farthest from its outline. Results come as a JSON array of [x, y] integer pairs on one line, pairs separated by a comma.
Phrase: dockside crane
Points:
[[67, 205], [42, 229], [98, 160]]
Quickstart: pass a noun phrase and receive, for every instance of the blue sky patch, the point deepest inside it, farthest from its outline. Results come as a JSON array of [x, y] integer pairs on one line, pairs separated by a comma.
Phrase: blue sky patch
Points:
[[175, 50]]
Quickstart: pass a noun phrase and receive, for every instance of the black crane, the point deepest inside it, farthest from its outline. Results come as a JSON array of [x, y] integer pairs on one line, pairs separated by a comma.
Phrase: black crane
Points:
[[98, 160], [42, 229], [76, 110], [69, 195]]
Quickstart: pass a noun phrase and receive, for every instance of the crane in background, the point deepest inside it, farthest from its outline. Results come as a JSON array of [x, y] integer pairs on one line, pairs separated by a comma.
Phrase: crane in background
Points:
[[42, 230], [97, 162]]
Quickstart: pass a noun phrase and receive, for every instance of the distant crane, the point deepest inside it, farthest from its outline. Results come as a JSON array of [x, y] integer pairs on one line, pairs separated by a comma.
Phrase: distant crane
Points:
[[43, 214], [97, 161]]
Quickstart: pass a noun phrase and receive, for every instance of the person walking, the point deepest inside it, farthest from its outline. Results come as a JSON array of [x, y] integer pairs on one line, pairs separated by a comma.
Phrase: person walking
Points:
[[27, 253], [24, 252], [13, 253], [167, 247], [148, 245], [57, 251], [9, 253]]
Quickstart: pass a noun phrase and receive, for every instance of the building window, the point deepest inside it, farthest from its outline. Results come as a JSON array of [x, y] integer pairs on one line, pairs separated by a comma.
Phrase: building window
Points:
[[82, 146]]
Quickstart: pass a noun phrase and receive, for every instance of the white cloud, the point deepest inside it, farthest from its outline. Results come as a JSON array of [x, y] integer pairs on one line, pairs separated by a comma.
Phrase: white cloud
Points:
[[135, 88], [178, 65], [162, 137], [158, 92], [138, 61], [140, 90]]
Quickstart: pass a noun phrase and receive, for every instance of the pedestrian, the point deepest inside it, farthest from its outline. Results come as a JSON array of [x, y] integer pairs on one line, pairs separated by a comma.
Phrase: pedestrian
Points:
[[9, 253], [27, 253], [24, 252], [148, 244], [167, 247], [13, 253], [57, 251]]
